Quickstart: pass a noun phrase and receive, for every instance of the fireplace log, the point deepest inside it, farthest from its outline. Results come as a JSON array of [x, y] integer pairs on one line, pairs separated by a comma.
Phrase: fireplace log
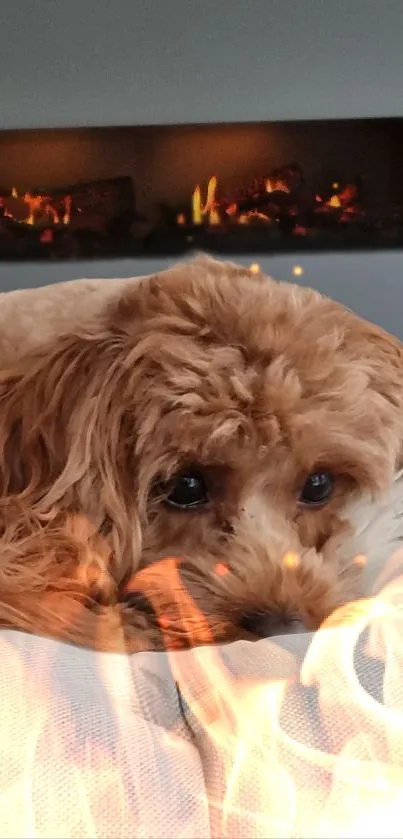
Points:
[[83, 206], [95, 205], [275, 199]]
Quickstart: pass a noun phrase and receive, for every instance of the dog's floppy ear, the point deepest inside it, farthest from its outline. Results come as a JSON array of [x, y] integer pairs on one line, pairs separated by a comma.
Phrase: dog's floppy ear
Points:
[[39, 399], [385, 354], [65, 435], [380, 355]]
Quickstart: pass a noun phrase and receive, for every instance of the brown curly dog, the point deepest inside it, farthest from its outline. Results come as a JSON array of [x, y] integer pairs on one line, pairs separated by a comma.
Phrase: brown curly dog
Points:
[[186, 467]]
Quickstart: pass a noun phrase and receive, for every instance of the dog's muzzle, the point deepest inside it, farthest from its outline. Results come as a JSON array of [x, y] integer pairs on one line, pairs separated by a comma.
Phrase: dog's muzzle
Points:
[[259, 624]]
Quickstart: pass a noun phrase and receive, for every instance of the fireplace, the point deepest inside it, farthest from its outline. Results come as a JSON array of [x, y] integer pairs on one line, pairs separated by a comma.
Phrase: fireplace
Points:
[[257, 188]]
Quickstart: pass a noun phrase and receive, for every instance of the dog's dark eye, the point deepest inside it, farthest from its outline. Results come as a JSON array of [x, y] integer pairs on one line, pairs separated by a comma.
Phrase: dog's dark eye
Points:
[[187, 491], [317, 489]]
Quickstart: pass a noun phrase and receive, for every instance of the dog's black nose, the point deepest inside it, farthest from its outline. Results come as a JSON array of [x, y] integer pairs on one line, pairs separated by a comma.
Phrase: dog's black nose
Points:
[[266, 625]]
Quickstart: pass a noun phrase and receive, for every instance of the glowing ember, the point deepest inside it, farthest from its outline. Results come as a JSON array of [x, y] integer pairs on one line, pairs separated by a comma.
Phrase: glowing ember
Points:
[[46, 236], [334, 201], [255, 268], [276, 185], [291, 560], [232, 209], [281, 186], [221, 570]]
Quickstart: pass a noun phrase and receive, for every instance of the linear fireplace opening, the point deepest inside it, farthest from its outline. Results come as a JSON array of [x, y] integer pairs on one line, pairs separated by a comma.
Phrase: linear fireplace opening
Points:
[[256, 188]]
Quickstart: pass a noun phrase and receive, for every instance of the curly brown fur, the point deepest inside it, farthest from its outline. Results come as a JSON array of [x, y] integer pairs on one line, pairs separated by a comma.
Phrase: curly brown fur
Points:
[[255, 383]]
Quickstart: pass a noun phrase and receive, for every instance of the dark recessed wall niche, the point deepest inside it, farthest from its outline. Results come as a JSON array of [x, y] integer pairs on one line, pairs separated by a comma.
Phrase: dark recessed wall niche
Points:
[[240, 188]]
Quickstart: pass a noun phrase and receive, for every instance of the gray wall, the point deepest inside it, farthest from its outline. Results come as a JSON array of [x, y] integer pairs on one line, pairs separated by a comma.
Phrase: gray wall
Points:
[[97, 62], [100, 62]]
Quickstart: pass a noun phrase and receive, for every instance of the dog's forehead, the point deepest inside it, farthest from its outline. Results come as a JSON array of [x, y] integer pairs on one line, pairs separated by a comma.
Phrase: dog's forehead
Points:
[[228, 305], [237, 363], [257, 334], [213, 336], [273, 325]]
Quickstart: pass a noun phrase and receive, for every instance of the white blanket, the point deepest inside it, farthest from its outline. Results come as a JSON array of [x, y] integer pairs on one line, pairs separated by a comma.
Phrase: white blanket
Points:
[[194, 745]]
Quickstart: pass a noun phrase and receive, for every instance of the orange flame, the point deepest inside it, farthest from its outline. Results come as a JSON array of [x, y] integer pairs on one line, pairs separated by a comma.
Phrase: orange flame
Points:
[[334, 201], [362, 773], [67, 209], [209, 211], [200, 210], [35, 205], [40, 208], [276, 185], [261, 780]]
